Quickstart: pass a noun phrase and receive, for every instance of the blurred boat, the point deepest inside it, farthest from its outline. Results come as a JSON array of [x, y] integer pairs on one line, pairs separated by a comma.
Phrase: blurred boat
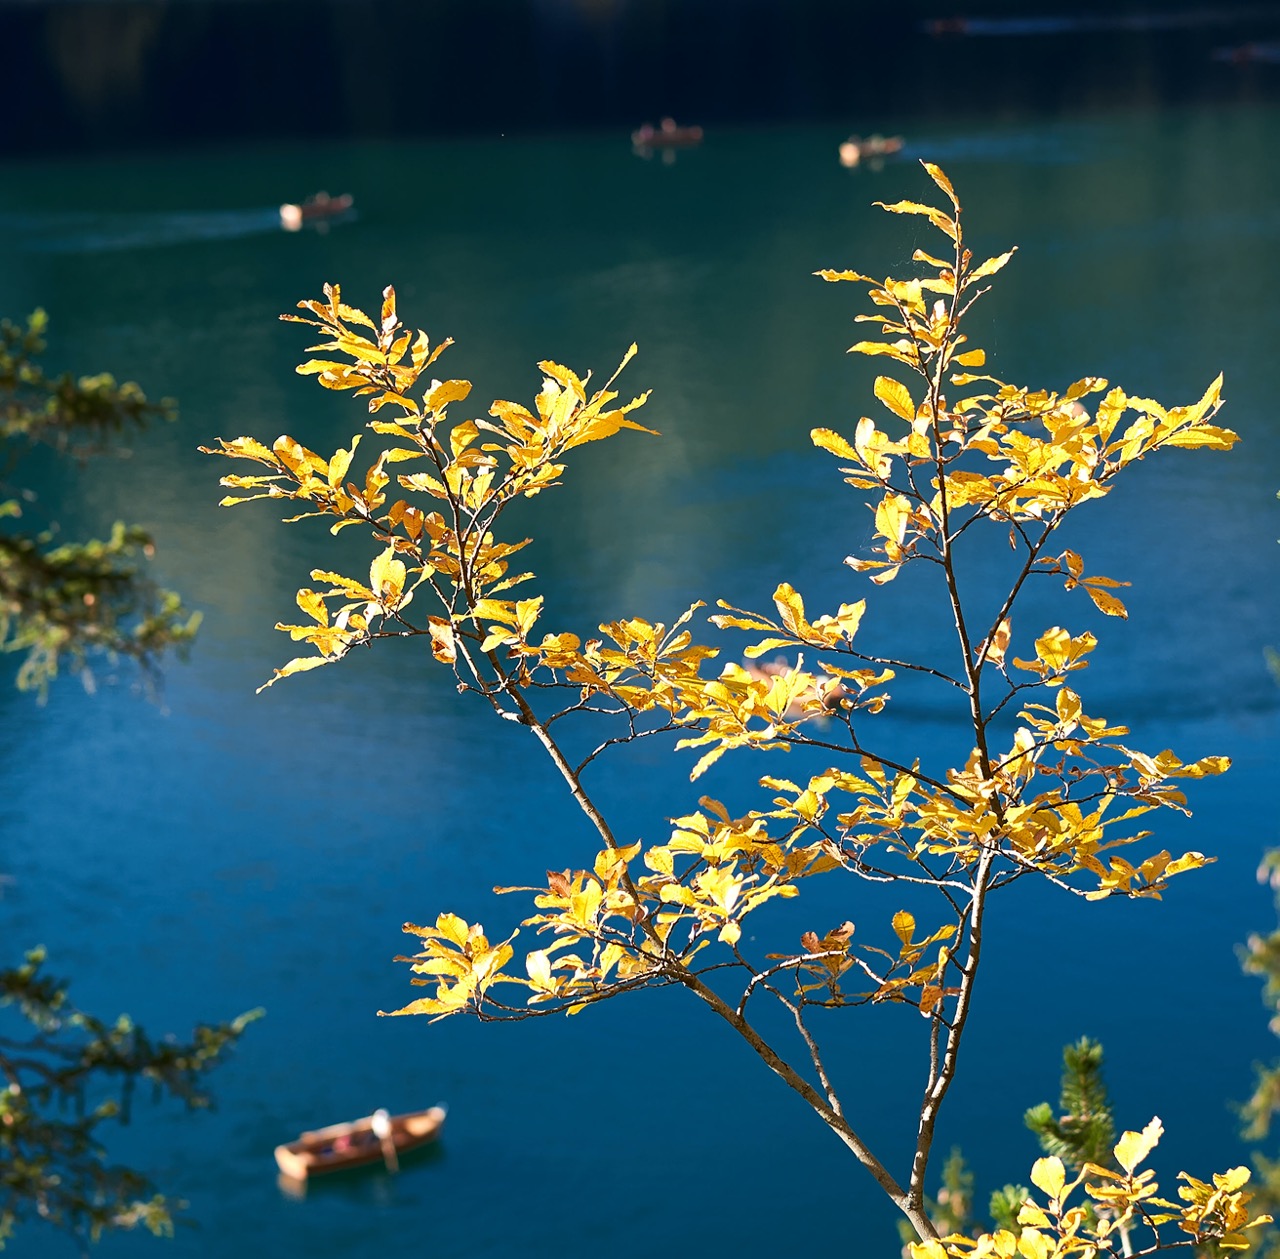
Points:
[[378, 1138], [322, 206], [822, 697], [666, 135], [856, 150], [1245, 54]]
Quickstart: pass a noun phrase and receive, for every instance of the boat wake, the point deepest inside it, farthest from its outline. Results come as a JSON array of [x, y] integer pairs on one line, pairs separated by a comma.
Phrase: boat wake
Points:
[[91, 233], [1030, 148]]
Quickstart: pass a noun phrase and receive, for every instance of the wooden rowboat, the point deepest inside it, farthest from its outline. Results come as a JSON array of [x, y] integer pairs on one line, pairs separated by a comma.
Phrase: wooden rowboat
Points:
[[666, 135], [376, 1138], [856, 149], [314, 209]]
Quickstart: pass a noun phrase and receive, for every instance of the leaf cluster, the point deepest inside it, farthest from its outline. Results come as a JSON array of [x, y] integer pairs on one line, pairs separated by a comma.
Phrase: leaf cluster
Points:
[[72, 413], [1049, 790], [1261, 956], [67, 1074], [1210, 1216], [64, 602]]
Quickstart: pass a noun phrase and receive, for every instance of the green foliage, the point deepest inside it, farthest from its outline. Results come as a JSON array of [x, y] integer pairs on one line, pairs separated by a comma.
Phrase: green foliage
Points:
[[57, 1066], [1005, 1206], [1261, 956], [66, 1075], [1084, 1131], [76, 414], [63, 602], [1048, 791]]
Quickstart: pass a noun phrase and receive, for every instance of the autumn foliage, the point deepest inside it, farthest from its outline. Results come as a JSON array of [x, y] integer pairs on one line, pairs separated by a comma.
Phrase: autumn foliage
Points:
[[1050, 790]]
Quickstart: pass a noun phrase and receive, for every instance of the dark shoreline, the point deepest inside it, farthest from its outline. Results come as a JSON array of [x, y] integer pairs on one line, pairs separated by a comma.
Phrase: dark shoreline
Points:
[[118, 75]]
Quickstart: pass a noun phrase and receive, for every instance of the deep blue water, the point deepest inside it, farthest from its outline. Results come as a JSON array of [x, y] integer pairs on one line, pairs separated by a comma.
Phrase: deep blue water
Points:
[[220, 850]]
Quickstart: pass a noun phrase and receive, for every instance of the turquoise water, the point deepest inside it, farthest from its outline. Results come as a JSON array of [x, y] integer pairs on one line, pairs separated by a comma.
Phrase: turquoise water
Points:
[[221, 850]]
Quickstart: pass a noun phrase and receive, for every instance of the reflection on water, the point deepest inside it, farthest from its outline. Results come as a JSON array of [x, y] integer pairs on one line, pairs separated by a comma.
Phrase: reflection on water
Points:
[[369, 1183], [245, 851]]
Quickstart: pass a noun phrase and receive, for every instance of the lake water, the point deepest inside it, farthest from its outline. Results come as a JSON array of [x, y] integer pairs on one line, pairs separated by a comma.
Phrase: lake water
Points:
[[221, 850]]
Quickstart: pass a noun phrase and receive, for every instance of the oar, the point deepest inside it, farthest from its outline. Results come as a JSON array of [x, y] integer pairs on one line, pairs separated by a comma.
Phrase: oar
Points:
[[380, 1121]]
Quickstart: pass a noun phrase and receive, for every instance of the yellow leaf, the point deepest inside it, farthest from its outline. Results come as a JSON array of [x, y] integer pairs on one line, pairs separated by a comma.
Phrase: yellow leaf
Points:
[[1133, 1147], [442, 393], [1031, 1214], [313, 605], [659, 861], [1232, 1180], [896, 397], [927, 1250], [1206, 765], [832, 276], [341, 462], [386, 577], [462, 436], [300, 664], [827, 439], [451, 927], [999, 642], [905, 925], [568, 379], [527, 612], [494, 610], [791, 608], [442, 644], [389, 320], [1106, 603], [1033, 1244], [892, 515], [424, 1005], [934, 215], [903, 351], [1089, 384], [939, 178], [849, 617], [539, 967], [992, 265], [1049, 1176], [1204, 435]]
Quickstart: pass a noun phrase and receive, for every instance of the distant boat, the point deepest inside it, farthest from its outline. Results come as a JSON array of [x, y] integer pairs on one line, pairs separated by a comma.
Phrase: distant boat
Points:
[[856, 149], [666, 135], [378, 1138], [1243, 54], [822, 698], [322, 206]]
